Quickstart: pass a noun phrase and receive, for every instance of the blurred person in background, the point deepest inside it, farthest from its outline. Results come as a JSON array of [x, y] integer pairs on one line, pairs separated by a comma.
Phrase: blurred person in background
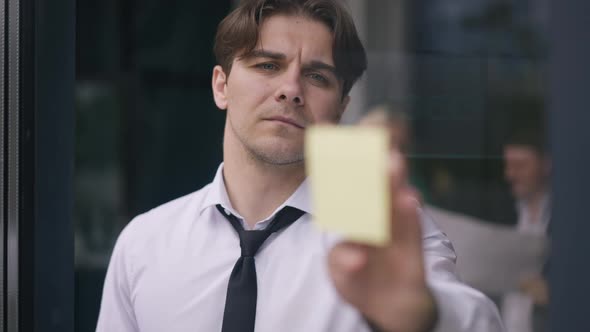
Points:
[[527, 170]]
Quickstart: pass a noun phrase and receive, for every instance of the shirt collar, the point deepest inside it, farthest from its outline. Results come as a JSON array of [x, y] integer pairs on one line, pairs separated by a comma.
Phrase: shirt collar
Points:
[[544, 217], [218, 195]]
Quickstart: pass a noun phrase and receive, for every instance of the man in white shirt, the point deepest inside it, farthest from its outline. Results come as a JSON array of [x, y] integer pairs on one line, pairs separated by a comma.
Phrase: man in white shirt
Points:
[[527, 170], [283, 65]]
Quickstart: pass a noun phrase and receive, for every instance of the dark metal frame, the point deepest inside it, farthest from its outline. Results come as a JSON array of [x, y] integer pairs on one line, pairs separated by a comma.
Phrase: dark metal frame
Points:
[[569, 268], [11, 115], [36, 144], [2, 158]]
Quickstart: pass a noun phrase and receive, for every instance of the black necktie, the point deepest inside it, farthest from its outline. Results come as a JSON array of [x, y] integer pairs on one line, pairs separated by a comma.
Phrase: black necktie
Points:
[[240, 304]]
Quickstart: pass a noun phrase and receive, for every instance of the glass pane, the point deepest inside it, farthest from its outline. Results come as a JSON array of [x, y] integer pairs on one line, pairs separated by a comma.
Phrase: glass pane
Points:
[[467, 77], [481, 144], [147, 130]]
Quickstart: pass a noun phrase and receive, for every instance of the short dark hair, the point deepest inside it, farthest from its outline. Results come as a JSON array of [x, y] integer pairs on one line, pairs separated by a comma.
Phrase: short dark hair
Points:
[[237, 34], [533, 138]]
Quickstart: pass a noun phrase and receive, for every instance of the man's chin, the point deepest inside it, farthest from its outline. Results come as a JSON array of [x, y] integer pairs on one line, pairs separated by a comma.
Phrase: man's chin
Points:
[[278, 158], [521, 194]]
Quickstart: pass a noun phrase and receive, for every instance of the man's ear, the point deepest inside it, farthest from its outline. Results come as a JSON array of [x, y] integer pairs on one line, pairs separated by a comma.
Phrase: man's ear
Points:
[[219, 85]]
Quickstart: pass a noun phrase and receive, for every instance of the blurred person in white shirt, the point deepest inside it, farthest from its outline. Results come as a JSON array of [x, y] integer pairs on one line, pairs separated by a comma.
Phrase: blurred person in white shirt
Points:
[[527, 169]]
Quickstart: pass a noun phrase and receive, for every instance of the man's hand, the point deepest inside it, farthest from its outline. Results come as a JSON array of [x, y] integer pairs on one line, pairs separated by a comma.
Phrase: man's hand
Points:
[[387, 284], [536, 287]]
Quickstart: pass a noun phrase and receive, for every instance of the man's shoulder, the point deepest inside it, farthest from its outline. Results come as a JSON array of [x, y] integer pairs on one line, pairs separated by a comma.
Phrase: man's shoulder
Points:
[[166, 216], [181, 204]]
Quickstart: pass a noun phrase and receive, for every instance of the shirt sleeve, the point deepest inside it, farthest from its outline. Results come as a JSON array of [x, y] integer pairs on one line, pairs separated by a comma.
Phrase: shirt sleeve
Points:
[[460, 307], [116, 309]]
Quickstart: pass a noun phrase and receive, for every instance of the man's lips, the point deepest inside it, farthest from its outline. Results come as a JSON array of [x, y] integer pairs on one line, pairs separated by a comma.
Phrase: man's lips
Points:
[[286, 120]]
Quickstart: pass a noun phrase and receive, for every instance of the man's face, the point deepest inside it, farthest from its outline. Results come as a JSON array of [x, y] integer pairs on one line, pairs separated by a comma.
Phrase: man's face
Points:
[[526, 170], [285, 85]]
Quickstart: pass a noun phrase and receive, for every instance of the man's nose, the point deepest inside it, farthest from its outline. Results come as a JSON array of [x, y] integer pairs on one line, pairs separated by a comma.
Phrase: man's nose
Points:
[[290, 90]]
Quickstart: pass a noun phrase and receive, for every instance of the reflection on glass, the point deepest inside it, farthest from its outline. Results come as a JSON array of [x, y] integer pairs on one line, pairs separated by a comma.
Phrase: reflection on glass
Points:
[[466, 74], [527, 169]]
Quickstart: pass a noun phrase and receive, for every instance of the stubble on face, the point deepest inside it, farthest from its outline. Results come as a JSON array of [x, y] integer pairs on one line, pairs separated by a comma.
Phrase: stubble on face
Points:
[[279, 155]]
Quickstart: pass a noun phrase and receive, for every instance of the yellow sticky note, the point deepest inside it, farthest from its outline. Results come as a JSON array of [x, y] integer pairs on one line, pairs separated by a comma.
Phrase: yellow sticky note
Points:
[[347, 170]]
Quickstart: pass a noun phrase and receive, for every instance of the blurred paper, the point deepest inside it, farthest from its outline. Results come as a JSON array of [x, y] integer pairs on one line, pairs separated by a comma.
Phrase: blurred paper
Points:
[[492, 258], [347, 169]]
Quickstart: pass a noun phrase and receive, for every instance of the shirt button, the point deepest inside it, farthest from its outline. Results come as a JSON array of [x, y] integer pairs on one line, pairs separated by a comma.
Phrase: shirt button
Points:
[[227, 212]]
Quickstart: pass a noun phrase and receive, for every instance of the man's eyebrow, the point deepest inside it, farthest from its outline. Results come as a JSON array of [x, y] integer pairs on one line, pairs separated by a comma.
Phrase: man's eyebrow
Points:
[[319, 65], [258, 53]]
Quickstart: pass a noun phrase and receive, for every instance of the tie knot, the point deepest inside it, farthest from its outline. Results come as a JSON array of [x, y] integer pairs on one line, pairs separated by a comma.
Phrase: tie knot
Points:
[[251, 241]]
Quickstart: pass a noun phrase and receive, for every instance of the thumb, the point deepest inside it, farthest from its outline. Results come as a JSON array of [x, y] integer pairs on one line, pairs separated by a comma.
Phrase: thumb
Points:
[[406, 229]]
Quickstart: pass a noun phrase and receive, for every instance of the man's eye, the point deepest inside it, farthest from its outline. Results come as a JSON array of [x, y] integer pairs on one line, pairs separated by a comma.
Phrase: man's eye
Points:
[[267, 66], [318, 78]]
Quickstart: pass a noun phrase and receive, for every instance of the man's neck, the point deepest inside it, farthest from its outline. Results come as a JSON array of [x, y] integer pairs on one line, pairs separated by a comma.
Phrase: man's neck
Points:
[[256, 188]]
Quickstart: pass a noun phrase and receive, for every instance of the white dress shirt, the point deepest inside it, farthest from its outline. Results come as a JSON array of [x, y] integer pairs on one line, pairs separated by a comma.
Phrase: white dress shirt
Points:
[[170, 269], [530, 225], [518, 307]]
